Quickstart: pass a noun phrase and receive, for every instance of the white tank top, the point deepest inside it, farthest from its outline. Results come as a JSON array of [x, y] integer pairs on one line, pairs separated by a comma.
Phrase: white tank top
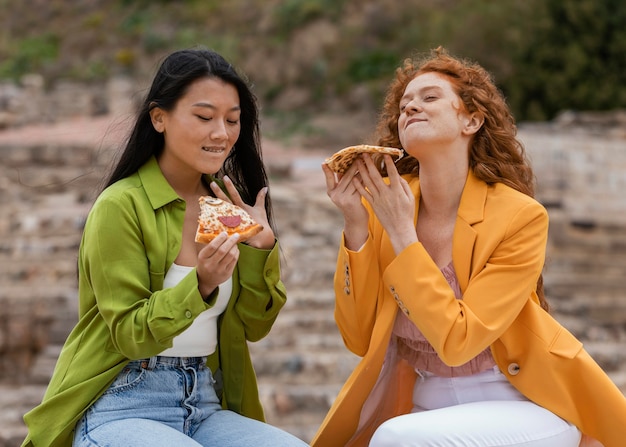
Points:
[[199, 339]]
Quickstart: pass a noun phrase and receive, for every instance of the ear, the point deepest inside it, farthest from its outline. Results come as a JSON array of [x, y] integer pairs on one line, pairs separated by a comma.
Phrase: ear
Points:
[[157, 116], [474, 123]]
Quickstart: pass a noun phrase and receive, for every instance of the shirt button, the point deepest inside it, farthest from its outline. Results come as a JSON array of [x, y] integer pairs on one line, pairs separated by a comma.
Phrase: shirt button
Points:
[[188, 314], [513, 369]]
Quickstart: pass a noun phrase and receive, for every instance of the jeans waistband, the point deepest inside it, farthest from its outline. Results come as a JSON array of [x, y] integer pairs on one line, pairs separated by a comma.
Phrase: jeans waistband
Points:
[[152, 362]]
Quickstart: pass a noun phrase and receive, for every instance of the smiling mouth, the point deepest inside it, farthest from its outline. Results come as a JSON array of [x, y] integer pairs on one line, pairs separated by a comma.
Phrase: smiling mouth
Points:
[[213, 150], [414, 120]]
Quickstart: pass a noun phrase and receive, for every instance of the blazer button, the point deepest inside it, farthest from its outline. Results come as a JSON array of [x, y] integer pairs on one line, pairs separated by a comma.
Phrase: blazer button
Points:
[[513, 369]]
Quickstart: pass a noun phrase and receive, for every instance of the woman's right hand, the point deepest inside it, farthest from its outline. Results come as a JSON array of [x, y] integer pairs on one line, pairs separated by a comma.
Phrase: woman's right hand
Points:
[[216, 262], [343, 193]]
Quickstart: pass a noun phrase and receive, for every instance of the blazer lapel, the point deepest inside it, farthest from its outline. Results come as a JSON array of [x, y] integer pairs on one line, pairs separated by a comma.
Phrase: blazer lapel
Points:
[[471, 211]]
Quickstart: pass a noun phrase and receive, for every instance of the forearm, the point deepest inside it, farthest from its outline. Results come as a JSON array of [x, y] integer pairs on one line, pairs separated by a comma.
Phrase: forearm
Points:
[[355, 233]]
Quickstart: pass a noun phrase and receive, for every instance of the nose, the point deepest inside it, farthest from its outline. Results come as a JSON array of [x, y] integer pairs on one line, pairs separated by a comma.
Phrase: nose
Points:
[[412, 107], [218, 131]]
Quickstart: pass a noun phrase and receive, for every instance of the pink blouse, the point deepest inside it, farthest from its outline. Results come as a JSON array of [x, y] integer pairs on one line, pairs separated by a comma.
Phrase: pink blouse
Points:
[[419, 353]]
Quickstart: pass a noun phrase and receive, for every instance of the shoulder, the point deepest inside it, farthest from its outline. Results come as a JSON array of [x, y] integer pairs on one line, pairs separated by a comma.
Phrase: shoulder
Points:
[[125, 194], [513, 210], [503, 197], [124, 188], [499, 206]]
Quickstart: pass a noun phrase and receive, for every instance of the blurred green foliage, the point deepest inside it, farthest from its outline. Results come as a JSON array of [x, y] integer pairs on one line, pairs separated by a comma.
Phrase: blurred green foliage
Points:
[[30, 54], [289, 15], [546, 55]]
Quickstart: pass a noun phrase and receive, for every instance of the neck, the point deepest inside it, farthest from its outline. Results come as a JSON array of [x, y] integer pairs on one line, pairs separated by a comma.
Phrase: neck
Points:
[[441, 188], [186, 184]]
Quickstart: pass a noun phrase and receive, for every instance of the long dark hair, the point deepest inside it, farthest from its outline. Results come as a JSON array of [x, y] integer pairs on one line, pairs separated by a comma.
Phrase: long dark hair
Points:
[[180, 69]]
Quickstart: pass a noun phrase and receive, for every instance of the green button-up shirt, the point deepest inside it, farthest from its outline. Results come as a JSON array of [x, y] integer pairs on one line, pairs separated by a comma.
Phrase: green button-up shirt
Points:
[[131, 237]]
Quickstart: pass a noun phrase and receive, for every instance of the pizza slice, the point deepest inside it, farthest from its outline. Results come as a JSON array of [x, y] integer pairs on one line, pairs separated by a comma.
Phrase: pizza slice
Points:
[[217, 216], [340, 161]]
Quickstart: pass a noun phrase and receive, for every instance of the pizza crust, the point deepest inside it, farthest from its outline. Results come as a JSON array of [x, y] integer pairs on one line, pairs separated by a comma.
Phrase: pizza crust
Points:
[[340, 161], [218, 216]]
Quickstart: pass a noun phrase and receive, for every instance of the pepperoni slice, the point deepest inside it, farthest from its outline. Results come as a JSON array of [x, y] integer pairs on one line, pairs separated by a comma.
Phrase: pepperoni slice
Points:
[[230, 221]]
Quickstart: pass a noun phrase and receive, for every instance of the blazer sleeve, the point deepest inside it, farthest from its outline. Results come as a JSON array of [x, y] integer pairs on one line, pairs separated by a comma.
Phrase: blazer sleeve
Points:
[[357, 284]]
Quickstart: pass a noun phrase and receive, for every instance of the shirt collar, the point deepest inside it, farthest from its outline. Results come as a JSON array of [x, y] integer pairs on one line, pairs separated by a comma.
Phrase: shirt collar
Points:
[[157, 188]]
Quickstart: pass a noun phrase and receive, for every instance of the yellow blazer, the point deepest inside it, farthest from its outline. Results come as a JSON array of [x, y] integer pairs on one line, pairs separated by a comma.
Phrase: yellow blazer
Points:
[[498, 253]]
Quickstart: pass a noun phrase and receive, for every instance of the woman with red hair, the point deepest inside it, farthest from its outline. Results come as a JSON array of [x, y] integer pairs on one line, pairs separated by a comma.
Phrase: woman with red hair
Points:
[[439, 287]]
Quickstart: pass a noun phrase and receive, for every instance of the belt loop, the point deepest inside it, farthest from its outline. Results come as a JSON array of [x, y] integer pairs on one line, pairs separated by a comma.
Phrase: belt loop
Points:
[[152, 362]]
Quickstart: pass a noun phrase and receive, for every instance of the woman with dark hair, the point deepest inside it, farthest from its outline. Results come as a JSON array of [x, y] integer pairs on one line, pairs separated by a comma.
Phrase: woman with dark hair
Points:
[[438, 284], [159, 355]]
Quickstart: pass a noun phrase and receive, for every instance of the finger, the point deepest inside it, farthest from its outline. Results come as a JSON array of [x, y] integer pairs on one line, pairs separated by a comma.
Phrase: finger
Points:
[[340, 183], [405, 187], [369, 174], [232, 191], [362, 190], [219, 193], [392, 171], [260, 198], [221, 244], [329, 177]]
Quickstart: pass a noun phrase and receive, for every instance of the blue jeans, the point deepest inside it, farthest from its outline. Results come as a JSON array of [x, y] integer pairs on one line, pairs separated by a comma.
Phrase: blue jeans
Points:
[[170, 401]]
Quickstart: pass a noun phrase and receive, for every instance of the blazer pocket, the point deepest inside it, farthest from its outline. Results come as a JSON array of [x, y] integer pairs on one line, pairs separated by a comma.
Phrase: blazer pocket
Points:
[[564, 344]]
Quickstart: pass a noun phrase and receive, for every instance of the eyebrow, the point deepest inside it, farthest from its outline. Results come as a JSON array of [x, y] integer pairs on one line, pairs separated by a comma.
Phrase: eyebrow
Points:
[[423, 89], [211, 106]]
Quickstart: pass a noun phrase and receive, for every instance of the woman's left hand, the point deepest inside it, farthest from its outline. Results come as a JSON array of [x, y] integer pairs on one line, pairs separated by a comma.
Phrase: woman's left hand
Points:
[[393, 203], [266, 238]]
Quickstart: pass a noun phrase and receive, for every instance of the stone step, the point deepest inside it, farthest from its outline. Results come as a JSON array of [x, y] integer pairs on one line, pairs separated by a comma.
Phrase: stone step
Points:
[[610, 355], [299, 297], [584, 305], [305, 319], [48, 309], [48, 155], [28, 268], [60, 213], [564, 290], [299, 410], [296, 366], [581, 261], [15, 400]]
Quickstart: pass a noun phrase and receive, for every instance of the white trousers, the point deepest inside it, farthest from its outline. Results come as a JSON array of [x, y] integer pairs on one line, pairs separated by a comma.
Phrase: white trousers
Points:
[[482, 410]]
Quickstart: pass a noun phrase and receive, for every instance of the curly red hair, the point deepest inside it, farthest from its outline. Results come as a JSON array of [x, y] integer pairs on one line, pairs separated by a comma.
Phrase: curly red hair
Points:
[[495, 153]]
